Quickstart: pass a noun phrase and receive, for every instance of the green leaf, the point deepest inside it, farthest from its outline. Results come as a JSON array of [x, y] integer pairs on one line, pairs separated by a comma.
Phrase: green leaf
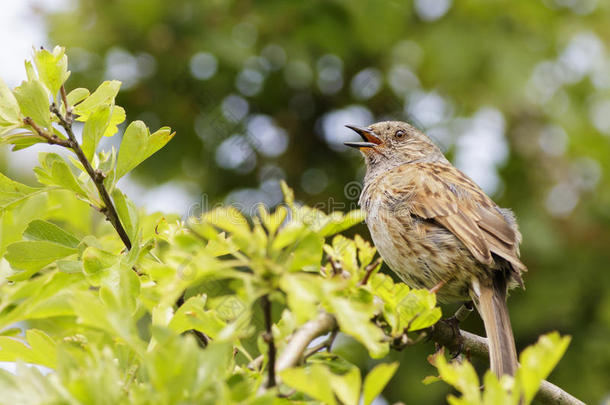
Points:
[[366, 252], [116, 118], [303, 293], [52, 68], [77, 95], [191, 315], [34, 255], [308, 253], [94, 129], [376, 380], [9, 108], [354, 319], [229, 219], [39, 230], [494, 393], [42, 297], [120, 290], [272, 222], [537, 362], [347, 386], [288, 235], [313, 381], [128, 213], [338, 222], [138, 144], [103, 95], [30, 71], [462, 376], [96, 264], [12, 192], [54, 170], [33, 100], [41, 349]]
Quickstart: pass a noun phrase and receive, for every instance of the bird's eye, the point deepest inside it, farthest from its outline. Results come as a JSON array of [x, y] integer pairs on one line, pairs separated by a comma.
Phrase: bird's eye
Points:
[[399, 134]]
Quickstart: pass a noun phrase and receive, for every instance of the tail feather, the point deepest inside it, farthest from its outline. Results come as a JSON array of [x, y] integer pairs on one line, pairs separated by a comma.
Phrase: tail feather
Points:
[[490, 297]]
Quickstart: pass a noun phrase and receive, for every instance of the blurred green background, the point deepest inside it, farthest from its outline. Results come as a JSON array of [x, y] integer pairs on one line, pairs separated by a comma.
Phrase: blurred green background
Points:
[[516, 92]]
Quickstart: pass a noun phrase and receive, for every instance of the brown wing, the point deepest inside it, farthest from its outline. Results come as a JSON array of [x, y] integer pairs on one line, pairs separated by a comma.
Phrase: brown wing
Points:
[[443, 193]]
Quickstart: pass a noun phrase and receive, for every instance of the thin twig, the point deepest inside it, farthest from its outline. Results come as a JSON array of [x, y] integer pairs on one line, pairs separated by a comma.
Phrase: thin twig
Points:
[[268, 337], [50, 138], [369, 270], [326, 344], [64, 99], [96, 175]]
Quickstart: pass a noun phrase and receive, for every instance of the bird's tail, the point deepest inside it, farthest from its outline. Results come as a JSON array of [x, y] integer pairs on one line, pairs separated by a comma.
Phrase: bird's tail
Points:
[[490, 297]]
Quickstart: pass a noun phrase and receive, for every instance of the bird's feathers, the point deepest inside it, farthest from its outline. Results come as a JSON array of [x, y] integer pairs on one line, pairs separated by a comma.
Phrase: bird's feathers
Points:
[[442, 193]]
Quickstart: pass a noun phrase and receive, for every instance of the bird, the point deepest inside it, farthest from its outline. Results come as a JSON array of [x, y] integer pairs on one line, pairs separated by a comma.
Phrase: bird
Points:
[[437, 229]]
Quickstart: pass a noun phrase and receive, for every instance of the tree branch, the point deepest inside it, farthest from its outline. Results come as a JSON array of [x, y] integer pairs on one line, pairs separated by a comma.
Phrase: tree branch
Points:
[[96, 175], [268, 337], [50, 138], [299, 341], [442, 333]]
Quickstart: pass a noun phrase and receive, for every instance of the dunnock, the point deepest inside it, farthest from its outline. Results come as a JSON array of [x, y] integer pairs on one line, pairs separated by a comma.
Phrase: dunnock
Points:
[[437, 229]]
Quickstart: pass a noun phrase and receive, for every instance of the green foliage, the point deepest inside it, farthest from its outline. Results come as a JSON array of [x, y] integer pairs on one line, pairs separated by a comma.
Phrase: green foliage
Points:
[[117, 326], [536, 363]]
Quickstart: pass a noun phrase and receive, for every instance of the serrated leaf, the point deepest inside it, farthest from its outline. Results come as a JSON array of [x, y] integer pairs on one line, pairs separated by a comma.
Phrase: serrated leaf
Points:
[[9, 107], [52, 68], [376, 380], [33, 100], [41, 349], [39, 230], [138, 144], [94, 129]]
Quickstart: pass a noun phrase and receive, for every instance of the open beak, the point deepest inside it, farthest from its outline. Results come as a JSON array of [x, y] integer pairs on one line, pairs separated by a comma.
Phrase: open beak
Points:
[[369, 137]]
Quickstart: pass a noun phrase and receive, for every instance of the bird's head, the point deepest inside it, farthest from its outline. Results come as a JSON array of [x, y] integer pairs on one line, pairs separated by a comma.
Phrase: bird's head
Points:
[[392, 143]]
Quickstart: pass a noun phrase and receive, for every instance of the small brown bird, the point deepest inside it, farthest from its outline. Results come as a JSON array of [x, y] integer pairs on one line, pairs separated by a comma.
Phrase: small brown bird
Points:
[[437, 229]]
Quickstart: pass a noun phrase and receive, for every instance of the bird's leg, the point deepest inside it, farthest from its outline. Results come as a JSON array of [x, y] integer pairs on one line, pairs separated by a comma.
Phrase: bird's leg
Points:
[[437, 286], [454, 323]]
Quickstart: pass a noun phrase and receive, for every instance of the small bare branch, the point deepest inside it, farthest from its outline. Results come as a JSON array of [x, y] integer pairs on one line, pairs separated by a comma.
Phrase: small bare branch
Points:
[[97, 176], [369, 270], [268, 337], [50, 138]]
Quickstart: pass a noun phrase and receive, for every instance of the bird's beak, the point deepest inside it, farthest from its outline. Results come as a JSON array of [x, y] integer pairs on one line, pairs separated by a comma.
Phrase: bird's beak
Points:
[[370, 138]]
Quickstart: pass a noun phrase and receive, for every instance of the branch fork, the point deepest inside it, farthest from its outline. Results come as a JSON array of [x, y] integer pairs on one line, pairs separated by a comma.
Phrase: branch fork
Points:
[[108, 209]]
